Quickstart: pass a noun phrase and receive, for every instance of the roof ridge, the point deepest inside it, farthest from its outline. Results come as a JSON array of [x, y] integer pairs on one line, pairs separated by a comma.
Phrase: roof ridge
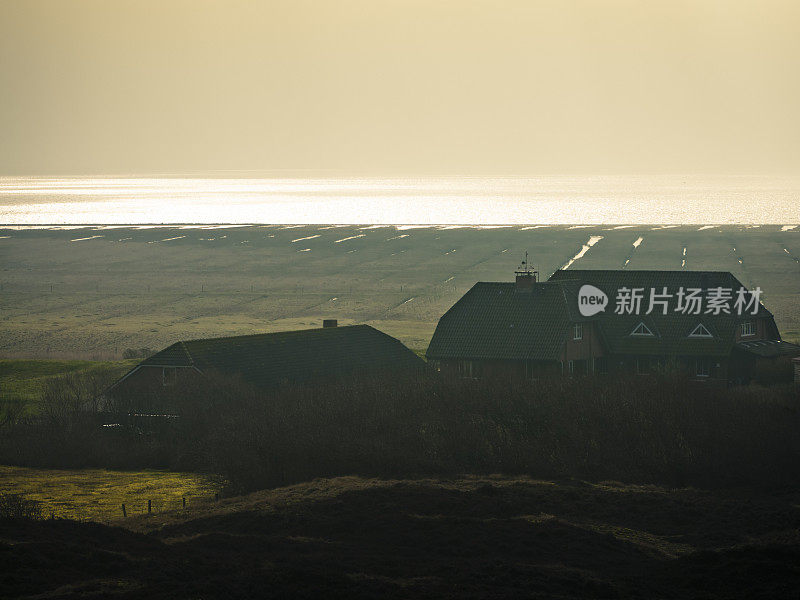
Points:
[[266, 333], [188, 354], [640, 271], [545, 282]]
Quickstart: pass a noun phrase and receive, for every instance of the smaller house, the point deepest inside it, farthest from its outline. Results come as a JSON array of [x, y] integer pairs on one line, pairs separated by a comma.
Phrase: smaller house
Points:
[[764, 361], [266, 361]]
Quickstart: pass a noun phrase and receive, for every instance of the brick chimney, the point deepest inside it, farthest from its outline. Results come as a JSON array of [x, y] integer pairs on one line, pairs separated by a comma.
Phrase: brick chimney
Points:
[[525, 281], [526, 276]]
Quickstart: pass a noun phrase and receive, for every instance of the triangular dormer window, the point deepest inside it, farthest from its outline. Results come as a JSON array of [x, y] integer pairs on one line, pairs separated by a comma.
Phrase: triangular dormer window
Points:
[[701, 331], [642, 330]]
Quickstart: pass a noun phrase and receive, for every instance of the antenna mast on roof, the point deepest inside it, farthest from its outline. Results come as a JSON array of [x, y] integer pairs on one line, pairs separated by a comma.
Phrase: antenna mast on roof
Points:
[[524, 272]]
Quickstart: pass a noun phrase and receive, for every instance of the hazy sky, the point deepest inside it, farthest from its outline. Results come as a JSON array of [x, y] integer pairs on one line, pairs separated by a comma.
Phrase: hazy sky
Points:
[[400, 87]]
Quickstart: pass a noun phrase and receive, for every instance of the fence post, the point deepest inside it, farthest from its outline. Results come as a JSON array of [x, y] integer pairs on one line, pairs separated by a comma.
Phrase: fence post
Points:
[[149, 506], [124, 512]]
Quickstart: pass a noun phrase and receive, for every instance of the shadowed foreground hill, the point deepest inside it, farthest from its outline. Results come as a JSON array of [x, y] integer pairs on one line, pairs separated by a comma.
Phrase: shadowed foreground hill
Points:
[[467, 537]]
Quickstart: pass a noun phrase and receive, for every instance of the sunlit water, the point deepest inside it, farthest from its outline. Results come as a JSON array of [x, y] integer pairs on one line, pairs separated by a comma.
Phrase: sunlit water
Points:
[[471, 201]]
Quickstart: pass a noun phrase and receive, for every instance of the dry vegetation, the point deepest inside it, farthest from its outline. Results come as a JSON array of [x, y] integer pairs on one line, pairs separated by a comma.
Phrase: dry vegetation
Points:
[[660, 429], [558, 523], [498, 537], [133, 288]]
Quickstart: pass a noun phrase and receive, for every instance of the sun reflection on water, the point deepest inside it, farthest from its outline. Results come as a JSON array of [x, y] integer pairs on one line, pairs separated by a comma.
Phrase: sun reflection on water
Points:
[[445, 201]]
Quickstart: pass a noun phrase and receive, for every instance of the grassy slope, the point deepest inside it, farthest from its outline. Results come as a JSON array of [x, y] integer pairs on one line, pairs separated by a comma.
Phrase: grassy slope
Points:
[[97, 494], [671, 521], [22, 380], [137, 288], [465, 537]]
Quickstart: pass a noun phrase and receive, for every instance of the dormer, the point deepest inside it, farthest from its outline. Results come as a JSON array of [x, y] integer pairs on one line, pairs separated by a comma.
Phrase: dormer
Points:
[[700, 331], [642, 330]]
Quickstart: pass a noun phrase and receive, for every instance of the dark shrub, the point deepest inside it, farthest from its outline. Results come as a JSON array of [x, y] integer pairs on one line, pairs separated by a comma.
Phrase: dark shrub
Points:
[[650, 429], [16, 506], [137, 353]]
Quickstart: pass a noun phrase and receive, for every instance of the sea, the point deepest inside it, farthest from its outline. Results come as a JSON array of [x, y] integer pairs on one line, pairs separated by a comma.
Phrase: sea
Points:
[[471, 201]]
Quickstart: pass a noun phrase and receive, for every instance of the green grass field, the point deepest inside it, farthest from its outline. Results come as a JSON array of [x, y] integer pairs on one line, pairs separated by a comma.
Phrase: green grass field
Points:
[[89, 494], [98, 494], [91, 293], [21, 381]]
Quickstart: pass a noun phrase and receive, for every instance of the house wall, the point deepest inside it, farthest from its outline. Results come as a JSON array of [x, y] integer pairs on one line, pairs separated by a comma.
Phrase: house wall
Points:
[[716, 366], [586, 354], [589, 346], [747, 368], [501, 369], [149, 389]]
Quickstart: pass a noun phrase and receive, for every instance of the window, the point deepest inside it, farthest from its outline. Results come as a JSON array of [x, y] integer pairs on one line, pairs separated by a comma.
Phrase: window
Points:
[[601, 365], [530, 370], [642, 365], [577, 334], [748, 328], [702, 368], [571, 366], [700, 332], [465, 368], [642, 329]]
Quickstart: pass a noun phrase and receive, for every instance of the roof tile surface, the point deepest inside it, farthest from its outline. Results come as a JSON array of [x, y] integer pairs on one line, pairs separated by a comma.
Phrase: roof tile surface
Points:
[[500, 321], [295, 356]]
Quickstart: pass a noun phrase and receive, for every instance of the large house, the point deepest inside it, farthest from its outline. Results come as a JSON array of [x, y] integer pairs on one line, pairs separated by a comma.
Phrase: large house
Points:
[[582, 321], [266, 361]]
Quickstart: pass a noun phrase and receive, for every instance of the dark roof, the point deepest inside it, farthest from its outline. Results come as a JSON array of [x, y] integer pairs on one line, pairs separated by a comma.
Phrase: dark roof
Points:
[[769, 348], [172, 356], [296, 356], [671, 331], [616, 278], [496, 320], [502, 321]]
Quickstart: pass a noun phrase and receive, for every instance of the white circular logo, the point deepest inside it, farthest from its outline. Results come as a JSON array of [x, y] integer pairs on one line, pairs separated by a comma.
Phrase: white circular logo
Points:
[[591, 300]]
